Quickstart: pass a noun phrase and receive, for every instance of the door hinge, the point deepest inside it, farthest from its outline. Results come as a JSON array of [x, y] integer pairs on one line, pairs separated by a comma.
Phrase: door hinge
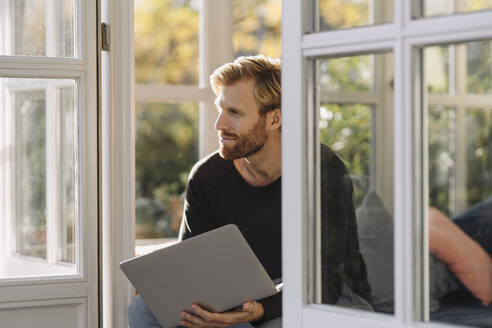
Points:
[[105, 37]]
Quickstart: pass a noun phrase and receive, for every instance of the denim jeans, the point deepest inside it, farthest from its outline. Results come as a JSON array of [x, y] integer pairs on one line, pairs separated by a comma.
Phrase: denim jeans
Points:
[[140, 316]]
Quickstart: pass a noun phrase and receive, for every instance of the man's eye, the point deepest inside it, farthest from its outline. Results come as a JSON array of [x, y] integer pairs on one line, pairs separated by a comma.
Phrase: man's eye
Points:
[[233, 111]]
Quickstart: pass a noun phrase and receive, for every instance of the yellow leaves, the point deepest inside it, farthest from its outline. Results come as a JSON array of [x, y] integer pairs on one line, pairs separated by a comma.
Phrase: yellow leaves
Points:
[[344, 13], [257, 27], [166, 42], [166, 37], [273, 17]]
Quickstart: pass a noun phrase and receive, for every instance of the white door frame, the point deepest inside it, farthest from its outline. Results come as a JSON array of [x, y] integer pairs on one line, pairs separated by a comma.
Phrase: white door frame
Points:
[[403, 37]]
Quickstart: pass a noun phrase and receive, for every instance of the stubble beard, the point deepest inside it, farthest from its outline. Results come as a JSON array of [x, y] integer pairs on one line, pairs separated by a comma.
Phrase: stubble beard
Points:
[[248, 144]]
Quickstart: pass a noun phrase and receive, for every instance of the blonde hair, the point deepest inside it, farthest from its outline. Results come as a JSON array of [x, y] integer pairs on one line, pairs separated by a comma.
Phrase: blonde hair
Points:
[[265, 70]]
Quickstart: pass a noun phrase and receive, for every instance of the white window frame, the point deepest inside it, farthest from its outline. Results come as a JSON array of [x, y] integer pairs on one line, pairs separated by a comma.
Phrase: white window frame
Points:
[[80, 290], [403, 37], [54, 225]]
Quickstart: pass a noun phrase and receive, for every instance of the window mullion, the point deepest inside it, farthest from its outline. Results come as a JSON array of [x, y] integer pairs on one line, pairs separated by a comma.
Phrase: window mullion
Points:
[[215, 49]]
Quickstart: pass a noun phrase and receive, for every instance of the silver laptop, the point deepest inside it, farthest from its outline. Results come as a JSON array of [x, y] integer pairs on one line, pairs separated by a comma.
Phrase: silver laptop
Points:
[[217, 270]]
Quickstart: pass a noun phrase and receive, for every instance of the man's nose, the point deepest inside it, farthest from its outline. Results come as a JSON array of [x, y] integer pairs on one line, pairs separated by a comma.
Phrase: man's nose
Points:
[[220, 123]]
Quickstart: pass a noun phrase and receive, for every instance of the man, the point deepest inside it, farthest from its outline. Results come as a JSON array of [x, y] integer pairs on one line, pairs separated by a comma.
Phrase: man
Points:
[[241, 184]]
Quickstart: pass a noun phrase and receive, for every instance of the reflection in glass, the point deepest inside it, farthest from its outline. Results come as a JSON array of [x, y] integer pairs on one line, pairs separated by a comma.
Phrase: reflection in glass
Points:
[[30, 184], [479, 67], [257, 27], [68, 160], [166, 148], [38, 28], [438, 74], [446, 7], [347, 129], [39, 180], [341, 14], [347, 74], [479, 154], [442, 146], [166, 41], [460, 189], [356, 208]]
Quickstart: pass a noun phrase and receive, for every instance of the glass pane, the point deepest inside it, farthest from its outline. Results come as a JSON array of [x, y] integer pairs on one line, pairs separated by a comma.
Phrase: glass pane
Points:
[[38, 28], [442, 146], [460, 189], [166, 41], [166, 149], [39, 178], [341, 14], [446, 7], [356, 204], [479, 67], [479, 154], [257, 27], [347, 130], [347, 74], [437, 75]]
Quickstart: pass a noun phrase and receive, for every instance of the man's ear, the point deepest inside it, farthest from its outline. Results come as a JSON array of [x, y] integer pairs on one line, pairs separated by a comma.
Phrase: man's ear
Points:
[[275, 121]]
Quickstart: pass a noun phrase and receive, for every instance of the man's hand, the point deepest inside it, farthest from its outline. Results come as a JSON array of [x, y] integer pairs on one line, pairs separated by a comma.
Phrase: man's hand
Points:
[[250, 311]]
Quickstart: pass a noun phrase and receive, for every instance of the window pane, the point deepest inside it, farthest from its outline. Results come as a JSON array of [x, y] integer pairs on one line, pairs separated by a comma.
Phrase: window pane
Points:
[[442, 146], [355, 180], [165, 151], [446, 7], [341, 14], [257, 27], [479, 67], [38, 28], [437, 75], [347, 130], [479, 154], [39, 178], [347, 74], [460, 189], [166, 41]]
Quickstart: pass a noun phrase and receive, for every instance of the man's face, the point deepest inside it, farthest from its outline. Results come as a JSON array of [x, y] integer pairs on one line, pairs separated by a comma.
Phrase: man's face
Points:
[[241, 128]]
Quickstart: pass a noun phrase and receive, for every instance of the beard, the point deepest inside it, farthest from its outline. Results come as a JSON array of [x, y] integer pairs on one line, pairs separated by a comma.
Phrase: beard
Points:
[[247, 144]]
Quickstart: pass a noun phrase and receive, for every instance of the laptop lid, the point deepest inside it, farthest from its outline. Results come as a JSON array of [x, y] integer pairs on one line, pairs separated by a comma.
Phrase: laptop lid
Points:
[[217, 270]]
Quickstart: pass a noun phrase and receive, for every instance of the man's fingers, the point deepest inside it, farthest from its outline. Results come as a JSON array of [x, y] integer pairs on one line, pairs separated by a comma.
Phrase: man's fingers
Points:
[[192, 319], [249, 307], [205, 315]]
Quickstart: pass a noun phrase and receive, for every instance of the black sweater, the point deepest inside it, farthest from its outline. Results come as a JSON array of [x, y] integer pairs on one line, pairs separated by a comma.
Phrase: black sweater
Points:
[[217, 195]]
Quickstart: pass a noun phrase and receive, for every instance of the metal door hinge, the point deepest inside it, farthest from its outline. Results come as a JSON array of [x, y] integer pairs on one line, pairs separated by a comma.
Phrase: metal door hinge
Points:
[[105, 37]]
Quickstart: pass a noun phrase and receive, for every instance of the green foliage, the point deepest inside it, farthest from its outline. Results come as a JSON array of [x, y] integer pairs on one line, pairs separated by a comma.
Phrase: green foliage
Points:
[[347, 130], [347, 73], [479, 67], [166, 148], [479, 155], [442, 164]]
